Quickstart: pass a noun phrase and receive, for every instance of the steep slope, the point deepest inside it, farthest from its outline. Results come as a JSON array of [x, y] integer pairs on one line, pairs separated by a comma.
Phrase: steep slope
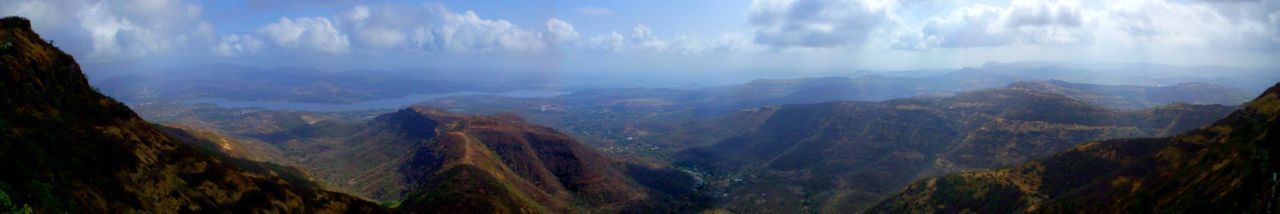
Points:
[[66, 148], [360, 158], [431, 160], [539, 162], [220, 144], [845, 156], [1223, 168]]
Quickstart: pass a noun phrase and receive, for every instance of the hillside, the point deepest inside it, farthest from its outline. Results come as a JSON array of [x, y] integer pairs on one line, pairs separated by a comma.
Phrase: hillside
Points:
[[66, 148], [844, 156], [647, 121], [1137, 97], [1222, 168], [431, 160]]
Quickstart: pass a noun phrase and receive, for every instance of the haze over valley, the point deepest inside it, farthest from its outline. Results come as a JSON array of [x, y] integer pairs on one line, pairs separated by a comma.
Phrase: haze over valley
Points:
[[767, 106]]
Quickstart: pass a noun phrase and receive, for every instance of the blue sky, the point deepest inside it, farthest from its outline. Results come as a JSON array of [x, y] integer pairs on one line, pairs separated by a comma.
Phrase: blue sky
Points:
[[674, 36]]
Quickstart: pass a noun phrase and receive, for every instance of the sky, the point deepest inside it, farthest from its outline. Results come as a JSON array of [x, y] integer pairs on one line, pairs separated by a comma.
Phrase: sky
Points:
[[711, 36]]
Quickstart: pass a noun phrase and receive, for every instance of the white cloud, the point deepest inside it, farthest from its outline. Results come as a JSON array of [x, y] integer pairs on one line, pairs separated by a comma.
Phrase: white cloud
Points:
[[468, 32], [379, 29], [1114, 24], [1041, 13], [1275, 31], [237, 44], [816, 23], [307, 33], [432, 27], [381, 37], [1177, 24], [594, 11], [561, 31], [358, 13], [1023, 22], [611, 42], [423, 39], [642, 38], [109, 30], [725, 44]]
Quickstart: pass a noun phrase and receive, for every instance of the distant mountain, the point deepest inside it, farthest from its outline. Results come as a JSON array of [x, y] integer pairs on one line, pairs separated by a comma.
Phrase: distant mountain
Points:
[[65, 148], [1143, 74], [1136, 97], [878, 87], [1223, 168], [631, 120], [844, 156], [431, 160], [291, 84]]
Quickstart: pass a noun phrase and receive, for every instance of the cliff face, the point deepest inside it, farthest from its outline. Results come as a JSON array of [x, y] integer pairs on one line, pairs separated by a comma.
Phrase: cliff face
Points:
[[66, 148], [1227, 167]]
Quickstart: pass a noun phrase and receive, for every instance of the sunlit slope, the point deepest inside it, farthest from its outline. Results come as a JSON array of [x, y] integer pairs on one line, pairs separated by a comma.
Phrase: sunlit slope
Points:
[[429, 160]]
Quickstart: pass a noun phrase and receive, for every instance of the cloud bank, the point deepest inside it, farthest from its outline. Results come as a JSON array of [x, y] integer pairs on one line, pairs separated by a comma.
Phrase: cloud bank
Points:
[[119, 30]]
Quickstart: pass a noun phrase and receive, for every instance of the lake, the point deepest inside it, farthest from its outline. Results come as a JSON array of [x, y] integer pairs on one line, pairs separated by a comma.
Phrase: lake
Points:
[[388, 103]]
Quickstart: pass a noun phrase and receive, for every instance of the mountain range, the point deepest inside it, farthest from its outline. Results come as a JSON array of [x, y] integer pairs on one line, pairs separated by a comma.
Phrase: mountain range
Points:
[[1225, 167], [67, 148], [1003, 138], [404, 155], [609, 117], [844, 156]]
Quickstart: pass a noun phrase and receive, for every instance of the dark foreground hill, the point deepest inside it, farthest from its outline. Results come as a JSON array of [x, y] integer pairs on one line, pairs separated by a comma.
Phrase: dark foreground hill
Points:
[[1228, 167], [65, 148]]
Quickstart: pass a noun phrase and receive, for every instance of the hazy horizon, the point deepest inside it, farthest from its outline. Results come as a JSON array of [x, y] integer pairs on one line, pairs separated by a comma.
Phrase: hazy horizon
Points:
[[724, 38], [614, 106]]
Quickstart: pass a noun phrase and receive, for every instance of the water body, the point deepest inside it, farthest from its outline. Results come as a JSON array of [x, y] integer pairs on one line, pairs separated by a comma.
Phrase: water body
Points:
[[388, 103]]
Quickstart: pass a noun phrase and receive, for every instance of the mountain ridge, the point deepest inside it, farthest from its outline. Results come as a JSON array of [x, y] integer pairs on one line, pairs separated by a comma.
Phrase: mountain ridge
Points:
[[430, 159], [844, 156], [68, 148], [1217, 168]]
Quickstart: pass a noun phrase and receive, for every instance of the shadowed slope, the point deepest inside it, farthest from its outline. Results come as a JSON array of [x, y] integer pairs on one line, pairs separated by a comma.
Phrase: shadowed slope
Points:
[[66, 148]]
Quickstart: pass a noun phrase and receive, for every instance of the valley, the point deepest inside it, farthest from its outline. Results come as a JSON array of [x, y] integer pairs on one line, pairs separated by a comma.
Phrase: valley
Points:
[[1224, 167], [851, 155], [697, 107]]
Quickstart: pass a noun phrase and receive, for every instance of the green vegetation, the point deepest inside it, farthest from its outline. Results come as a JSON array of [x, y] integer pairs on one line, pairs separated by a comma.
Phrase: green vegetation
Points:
[[7, 205], [391, 204]]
